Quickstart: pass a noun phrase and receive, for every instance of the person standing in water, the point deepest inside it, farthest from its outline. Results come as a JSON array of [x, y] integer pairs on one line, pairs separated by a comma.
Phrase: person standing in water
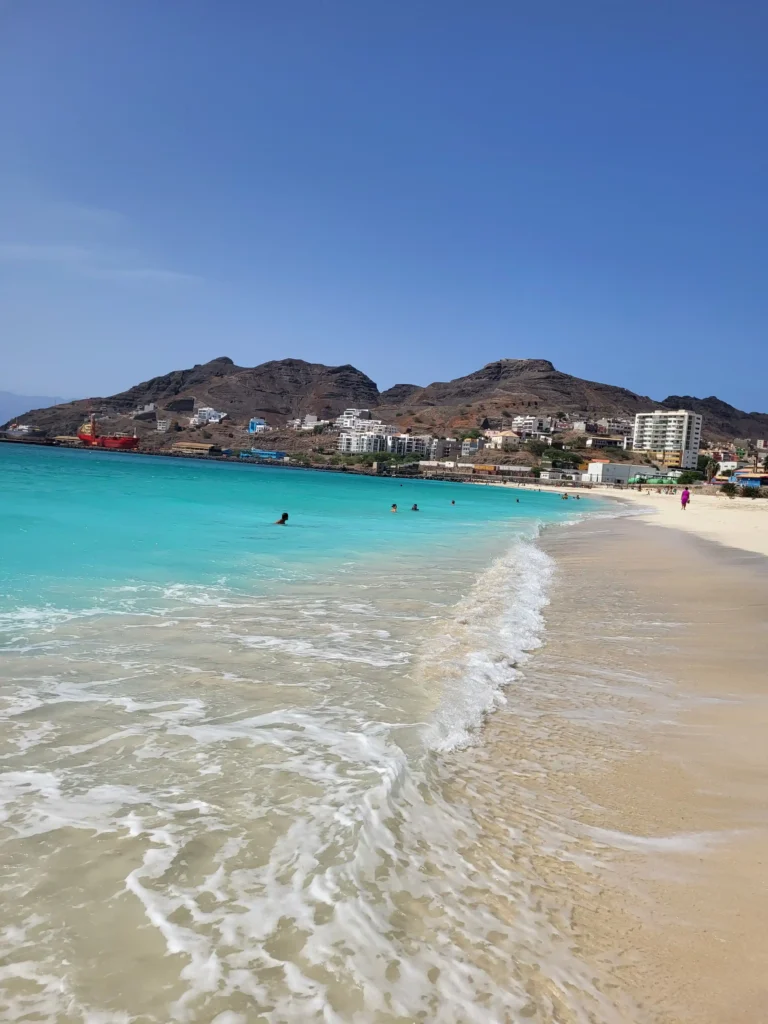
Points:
[[414, 508], [394, 508], [282, 520], [685, 497]]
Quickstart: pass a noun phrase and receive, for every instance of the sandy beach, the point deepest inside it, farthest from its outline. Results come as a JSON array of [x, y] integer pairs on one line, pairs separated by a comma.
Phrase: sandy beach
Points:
[[736, 522], [664, 767]]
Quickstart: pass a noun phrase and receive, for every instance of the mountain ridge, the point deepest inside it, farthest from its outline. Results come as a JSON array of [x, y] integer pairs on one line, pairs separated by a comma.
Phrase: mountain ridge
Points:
[[283, 389]]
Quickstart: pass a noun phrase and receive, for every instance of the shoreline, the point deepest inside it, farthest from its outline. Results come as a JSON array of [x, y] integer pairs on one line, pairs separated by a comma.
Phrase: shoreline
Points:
[[660, 762], [740, 523]]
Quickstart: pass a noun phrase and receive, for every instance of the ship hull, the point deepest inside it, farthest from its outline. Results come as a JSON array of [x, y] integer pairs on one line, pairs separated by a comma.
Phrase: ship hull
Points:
[[114, 443]]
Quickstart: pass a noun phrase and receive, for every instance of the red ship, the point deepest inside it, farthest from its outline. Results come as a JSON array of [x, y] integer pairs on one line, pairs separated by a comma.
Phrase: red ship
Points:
[[89, 435]]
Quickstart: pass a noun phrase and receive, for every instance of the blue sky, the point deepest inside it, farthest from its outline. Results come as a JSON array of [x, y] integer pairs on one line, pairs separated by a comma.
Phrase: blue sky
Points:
[[416, 188]]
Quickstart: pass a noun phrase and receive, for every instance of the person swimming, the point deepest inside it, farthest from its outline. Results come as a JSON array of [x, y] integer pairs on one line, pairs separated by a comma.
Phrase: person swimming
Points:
[[282, 520], [414, 508], [453, 502], [394, 507]]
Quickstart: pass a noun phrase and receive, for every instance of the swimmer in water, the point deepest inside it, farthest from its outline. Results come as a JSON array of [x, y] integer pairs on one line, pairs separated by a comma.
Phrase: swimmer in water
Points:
[[453, 502], [282, 520], [394, 508], [414, 508]]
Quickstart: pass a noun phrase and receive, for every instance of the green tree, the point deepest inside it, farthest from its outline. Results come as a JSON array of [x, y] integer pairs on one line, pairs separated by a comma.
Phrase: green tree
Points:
[[729, 489], [690, 476], [536, 447]]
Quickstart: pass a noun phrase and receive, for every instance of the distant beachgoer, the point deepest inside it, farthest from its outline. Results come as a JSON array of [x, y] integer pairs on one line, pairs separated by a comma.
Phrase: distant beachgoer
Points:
[[282, 520], [453, 502], [517, 501], [414, 508], [394, 507], [685, 497]]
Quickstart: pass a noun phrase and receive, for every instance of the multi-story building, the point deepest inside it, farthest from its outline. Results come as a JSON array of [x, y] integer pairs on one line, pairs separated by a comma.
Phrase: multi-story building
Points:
[[350, 418], [256, 425], [669, 438], [616, 426], [361, 442], [472, 445], [532, 424], [409, 444], [444, 448]]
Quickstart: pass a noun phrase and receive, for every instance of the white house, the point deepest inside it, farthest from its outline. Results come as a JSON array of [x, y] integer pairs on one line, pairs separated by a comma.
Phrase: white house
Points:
[[614, 472], [502, 440], [206, 414]]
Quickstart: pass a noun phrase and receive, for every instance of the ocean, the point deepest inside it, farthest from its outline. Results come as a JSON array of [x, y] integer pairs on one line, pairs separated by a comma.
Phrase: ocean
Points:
[[228, 775]]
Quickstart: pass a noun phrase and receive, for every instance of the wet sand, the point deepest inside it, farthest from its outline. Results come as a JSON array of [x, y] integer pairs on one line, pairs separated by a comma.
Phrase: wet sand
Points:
[[667, 766]]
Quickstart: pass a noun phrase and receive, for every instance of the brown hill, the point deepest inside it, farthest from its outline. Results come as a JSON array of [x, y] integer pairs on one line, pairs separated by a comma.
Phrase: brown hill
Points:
[[278, 391], [282, 389], [506, 388], [720, 418]]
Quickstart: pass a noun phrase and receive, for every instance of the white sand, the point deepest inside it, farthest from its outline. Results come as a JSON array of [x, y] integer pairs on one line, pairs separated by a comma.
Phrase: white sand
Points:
[[736, 522]]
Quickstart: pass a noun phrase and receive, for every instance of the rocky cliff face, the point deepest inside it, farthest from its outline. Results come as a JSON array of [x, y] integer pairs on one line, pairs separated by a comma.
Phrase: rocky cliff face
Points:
[[282, 389], [720, 418], [278, 391], [509, 387]]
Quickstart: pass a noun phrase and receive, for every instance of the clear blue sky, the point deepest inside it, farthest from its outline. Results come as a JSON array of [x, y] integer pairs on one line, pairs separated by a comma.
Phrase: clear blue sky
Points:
[[417, 188]]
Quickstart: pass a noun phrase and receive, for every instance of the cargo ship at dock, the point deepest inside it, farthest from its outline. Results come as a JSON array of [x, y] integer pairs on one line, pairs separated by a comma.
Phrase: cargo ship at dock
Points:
[[91, 437]]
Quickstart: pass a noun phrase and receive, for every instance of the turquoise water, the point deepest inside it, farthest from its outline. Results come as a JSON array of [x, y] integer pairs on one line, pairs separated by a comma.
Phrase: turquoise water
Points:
[[75, 525], [227, 791]]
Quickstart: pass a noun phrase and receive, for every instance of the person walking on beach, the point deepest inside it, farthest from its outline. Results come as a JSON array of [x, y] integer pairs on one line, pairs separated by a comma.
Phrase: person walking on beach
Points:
[[685, 497]]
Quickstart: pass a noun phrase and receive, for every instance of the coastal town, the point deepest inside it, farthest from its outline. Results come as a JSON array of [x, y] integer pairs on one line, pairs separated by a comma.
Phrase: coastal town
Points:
[[659, 448]]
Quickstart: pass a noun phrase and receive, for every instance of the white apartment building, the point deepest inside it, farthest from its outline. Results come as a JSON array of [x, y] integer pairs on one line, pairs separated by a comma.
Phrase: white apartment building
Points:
[[355, 424], [532, 424], [670, 438], [351, 417], [359, 442], [409, 444]]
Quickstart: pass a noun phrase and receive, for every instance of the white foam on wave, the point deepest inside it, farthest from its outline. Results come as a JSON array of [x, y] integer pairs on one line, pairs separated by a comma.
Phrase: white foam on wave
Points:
[[477, 653]]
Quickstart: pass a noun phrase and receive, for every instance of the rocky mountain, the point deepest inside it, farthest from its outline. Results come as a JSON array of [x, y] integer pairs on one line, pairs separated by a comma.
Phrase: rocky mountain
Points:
[[509, 387], [282, 389], [720, 418], [278, 390]]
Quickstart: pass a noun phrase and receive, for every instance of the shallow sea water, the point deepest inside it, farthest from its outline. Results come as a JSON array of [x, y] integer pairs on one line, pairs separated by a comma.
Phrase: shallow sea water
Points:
[[234, 757]]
